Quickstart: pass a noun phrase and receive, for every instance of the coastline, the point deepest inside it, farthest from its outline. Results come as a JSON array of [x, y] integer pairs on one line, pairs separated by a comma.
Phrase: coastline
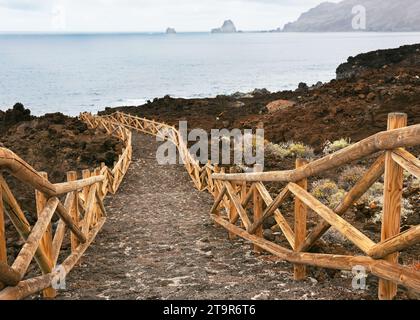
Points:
[[93, 78]]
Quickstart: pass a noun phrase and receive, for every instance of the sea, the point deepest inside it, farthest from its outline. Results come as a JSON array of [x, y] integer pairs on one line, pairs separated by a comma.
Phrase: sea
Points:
[[72, 73]]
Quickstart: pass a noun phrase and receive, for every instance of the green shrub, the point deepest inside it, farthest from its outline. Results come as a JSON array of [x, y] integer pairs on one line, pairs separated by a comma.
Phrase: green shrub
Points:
[[289, 150], [328, 192], [331, 147]]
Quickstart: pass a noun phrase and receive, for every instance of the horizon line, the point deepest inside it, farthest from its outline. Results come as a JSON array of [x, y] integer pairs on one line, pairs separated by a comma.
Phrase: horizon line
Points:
[[75, 32]]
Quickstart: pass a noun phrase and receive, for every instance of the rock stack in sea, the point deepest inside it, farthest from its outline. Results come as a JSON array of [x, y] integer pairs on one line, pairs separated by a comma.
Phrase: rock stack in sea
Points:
[[170, 31], [227, 27]]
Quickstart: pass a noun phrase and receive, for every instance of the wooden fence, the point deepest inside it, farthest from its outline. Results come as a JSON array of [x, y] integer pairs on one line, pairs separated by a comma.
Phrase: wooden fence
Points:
[[82, 213], [243, 203]]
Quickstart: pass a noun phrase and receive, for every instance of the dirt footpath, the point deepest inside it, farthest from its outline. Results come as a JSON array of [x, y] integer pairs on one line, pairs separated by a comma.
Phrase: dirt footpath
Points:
[[159, 243]]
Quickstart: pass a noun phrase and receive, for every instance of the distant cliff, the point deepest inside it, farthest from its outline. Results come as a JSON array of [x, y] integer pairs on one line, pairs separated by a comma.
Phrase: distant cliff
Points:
[[381, 15], [228, 27]]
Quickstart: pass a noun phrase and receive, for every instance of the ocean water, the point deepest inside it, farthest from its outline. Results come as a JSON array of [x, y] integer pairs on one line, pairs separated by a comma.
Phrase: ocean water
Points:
[[87, 72]]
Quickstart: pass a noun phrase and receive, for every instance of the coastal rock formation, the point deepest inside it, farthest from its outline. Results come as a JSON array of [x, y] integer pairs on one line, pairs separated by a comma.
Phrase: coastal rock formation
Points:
[[15, 115], [228, 27], [170, 31], [379, 59], [381, 15]]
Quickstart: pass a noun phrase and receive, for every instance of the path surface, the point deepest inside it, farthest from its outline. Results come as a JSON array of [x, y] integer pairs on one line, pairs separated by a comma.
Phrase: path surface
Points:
[[159, 243]]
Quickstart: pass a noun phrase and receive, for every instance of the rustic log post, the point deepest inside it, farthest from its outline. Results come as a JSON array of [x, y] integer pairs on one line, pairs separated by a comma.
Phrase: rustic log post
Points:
[[85, 175], [232, 209], [74, 210], [217, 191], [258, 210], [46, 242], [391, 219], [215, 182], [98, 207], [301, 212]]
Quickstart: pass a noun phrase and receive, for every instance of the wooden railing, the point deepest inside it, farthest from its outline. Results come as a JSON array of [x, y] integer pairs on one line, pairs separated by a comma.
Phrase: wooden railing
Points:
[[243, 203], [82, 213]]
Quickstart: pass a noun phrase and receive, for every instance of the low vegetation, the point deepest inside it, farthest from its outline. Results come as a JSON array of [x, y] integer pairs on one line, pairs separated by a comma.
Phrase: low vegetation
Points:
[[331, 147], [289, 149]]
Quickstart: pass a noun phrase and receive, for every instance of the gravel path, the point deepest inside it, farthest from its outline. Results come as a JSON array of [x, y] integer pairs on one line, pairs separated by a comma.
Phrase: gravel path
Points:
[[159, 243]]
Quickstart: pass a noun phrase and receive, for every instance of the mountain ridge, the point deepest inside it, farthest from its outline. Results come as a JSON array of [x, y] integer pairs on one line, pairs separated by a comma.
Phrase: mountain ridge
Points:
[[381, 16]]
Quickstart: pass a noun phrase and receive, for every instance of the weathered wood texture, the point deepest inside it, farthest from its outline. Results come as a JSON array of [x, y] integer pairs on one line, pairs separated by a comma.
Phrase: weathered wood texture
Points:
[[301, 213], [232, 198], [393, 188], [83, 214]]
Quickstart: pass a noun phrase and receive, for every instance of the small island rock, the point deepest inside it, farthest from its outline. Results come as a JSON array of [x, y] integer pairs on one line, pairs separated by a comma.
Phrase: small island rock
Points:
[[228, 27], [170, 31]]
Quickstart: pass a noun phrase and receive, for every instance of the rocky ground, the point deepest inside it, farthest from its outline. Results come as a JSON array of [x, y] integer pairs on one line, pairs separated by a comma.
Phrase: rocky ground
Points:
[[159, 243]]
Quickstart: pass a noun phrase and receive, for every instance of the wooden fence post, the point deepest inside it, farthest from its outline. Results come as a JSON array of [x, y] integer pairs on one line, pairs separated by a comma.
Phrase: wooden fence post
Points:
[[301, 212], [232, 209], [391, 219], [74, 211], [97, 172], [258, 210], [46, 241], [86, 175]]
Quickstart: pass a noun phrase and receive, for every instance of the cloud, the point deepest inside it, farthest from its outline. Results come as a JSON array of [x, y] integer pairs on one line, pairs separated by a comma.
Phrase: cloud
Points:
[[25, 5], [150, 15]]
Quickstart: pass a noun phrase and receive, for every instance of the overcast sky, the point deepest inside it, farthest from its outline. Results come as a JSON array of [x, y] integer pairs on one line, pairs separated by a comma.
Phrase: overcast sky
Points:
[[147, 15]]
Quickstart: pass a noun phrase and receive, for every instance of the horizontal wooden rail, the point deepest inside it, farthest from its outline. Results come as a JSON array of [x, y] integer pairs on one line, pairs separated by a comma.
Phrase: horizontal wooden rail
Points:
[[25, 256], [344, 227], [31, 286], [83, 213], [8, 275], [24, 172], [361, 187], [405, 137], [407, 161], [402, 275], [234, 194], [403, 240]]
